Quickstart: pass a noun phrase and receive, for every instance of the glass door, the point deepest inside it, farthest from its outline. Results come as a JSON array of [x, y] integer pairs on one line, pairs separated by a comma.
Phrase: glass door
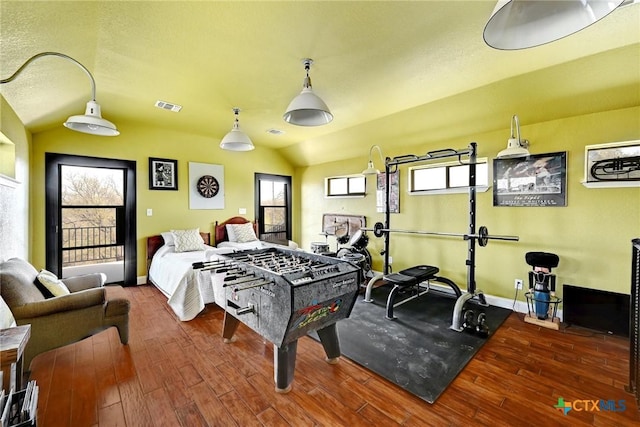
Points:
[[92, 221], [273, 201]]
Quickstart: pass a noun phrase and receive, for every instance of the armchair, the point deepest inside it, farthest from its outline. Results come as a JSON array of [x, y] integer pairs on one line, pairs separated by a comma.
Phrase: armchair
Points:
[[88, 309]]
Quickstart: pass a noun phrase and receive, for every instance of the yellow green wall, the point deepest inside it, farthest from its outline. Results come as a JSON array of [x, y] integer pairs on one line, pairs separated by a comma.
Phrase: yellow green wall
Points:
[[170, 208], [591, 235]]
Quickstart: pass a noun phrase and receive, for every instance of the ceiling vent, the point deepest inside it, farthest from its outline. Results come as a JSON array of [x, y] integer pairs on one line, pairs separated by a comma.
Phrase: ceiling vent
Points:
[[275, 131], [168, 106]]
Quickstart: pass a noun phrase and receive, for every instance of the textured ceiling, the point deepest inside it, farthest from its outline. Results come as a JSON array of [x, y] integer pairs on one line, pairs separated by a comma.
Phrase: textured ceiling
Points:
[[390, 71]]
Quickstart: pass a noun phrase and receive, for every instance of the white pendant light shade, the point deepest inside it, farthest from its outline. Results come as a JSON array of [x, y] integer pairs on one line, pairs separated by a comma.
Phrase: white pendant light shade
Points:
[[307, 109], [521, 24], [92, 122], [516, 147], [235, 139]]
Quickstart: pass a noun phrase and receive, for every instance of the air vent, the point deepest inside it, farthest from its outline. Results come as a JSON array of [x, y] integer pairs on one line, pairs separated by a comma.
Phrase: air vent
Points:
[[275, 131], [168, 106]]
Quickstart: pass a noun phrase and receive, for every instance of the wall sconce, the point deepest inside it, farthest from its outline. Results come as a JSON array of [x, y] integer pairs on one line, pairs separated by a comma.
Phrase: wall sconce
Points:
[[516, 147], [235, 139], [521, 24], [91, 122], [371, 170], [307, 109]]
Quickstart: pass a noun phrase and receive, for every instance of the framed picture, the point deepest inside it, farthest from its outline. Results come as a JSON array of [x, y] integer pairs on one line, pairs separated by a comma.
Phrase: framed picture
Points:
[[538, 180], [163, 174], [394, 192], [615, 163]]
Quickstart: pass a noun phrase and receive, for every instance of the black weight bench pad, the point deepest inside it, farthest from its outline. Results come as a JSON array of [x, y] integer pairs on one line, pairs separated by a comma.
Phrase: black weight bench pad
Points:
[[421, 272], [408, 277], [400, 279]]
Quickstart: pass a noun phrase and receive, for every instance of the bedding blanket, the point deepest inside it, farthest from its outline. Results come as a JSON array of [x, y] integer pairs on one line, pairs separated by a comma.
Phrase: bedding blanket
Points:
[[188, 290]]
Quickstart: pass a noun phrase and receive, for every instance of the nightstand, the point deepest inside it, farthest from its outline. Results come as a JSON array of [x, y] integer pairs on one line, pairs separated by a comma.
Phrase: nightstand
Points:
[[12, 344]]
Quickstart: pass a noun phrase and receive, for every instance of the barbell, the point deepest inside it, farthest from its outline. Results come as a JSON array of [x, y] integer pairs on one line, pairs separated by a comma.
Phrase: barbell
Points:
[[482, 236]]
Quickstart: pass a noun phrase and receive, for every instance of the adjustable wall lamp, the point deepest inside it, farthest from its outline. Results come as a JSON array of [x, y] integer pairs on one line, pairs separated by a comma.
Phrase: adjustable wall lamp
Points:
[[91, 122], [516, 147], [371, 170]]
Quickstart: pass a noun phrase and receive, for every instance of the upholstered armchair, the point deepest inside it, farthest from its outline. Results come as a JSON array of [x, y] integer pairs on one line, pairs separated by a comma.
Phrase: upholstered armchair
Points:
[[85, 308]]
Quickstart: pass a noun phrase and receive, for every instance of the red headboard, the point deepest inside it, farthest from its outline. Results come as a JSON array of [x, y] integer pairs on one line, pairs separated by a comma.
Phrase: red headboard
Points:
[[220, 230]]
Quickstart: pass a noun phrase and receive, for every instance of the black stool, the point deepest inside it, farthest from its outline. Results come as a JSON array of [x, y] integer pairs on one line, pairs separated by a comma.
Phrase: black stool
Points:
[[405, 279]]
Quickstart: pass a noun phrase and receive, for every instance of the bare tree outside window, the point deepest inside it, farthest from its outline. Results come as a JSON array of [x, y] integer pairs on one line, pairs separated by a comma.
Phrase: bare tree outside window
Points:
[[90, 200]]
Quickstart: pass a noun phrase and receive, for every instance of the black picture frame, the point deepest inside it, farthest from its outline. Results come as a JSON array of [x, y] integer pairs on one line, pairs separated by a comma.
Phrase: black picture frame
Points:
[[538, 180], [163, 174]]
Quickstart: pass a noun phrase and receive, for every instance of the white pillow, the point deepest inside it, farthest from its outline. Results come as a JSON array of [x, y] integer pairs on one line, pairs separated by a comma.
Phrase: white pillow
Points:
[[6, 316], [52, 283], [188, 240], [243, 233], [168, 238], [231, 233]]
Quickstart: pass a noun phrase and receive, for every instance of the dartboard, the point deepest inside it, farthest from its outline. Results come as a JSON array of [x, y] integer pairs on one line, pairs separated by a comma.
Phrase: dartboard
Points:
[[207, 186]]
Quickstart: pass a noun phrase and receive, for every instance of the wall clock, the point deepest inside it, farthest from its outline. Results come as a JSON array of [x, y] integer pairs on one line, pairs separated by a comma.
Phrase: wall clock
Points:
[[207, 186]]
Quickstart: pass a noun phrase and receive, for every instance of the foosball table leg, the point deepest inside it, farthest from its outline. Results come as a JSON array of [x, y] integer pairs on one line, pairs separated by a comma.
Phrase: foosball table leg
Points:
[[329, 340], [284, 363], [229, 326]]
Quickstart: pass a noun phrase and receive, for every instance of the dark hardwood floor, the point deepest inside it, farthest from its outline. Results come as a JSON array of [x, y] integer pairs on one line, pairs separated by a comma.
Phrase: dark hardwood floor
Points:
[[176, 373]]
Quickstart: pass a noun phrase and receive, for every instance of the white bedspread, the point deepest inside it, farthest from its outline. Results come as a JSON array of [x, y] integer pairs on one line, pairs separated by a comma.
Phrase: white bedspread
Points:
[[188, 290]]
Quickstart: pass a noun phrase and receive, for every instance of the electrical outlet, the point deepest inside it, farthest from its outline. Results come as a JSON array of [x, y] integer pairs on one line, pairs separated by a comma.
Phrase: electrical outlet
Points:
[[390, 260], [518, 283]]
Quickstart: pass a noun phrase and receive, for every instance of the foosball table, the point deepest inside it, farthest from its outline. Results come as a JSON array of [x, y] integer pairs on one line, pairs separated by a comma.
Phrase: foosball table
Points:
[[284, 294]]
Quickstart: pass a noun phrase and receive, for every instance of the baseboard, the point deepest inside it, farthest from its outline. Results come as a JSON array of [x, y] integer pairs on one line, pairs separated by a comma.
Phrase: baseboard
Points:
[[518, 306], [142, 280]]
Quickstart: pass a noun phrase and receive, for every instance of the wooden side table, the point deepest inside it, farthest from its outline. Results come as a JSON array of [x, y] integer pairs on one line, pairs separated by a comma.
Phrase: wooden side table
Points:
[[12, 344]]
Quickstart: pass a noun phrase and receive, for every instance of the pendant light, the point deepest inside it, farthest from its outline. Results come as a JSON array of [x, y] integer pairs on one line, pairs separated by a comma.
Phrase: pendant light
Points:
[[521, 24], [307, 109], [516, 147], [236, 140], [91, 122]]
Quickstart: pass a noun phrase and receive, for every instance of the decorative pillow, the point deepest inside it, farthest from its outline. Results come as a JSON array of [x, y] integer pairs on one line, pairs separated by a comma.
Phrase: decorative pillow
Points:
[[243, 232], [52, 283], [6, 316], [167, 236], [231, 233], [188, 240]]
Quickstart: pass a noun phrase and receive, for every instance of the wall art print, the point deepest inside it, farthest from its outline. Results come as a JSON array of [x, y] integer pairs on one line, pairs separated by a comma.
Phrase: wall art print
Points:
[[538, 180], [163, 174]]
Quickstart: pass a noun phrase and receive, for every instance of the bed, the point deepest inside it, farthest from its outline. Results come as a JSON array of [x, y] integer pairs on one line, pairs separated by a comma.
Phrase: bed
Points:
[[249, 239], [170, 271]]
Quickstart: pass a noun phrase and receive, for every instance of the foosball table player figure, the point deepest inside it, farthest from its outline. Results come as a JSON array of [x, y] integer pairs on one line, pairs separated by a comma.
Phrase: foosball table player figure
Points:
[[542, 283]]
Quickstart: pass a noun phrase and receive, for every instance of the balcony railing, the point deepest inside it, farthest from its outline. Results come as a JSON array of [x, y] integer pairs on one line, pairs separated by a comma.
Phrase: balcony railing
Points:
[[90, 245]]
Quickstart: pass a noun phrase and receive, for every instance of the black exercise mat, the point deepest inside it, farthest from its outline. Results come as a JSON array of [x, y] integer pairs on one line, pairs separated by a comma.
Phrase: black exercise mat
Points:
[[418, 351]]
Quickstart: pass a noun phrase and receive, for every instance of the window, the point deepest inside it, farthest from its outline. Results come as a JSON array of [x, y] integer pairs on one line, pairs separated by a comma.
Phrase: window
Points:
[[345, 186], [273, 207], [450, 177]]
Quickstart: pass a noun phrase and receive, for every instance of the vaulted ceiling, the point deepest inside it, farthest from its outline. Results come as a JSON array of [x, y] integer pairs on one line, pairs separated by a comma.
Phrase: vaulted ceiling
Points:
[[390, 71]]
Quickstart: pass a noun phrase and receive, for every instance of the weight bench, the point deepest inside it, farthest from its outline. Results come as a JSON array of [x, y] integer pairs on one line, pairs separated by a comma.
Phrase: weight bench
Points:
[[410, 280]]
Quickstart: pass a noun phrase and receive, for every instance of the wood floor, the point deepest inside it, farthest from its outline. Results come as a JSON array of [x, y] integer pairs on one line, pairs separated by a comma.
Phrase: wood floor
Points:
[[176, 373]]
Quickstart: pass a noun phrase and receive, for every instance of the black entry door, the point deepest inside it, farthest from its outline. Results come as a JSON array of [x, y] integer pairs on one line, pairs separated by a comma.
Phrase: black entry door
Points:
[[91, 221]]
